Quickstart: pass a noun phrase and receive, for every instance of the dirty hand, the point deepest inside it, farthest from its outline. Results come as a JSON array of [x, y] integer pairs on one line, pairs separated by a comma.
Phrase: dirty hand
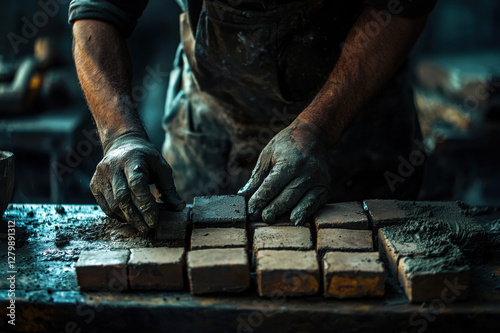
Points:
[[121, 182], [292, 173]]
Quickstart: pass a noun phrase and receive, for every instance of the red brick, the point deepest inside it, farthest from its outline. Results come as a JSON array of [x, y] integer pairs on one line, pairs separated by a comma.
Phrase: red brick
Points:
[[428, 279], [282, 238], [383, 213], [219, 212], [218, 270], [104, 271], [287, 273], [172, 227], [160, 268], [347, 275], [211, 238], [345, 215], [344, 240]]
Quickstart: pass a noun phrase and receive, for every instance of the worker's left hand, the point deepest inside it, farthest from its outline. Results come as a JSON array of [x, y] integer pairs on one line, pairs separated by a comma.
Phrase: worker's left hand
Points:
[[292, 174]]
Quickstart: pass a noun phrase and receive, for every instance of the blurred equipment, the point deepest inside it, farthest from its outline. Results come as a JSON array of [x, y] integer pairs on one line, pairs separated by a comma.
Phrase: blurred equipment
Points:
[[458, 100], [6, 179], [44, 121], [21, 80]]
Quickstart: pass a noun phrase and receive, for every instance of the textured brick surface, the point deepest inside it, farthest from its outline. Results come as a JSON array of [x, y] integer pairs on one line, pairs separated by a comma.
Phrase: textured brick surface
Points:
[[384, 213], [156, 268], [283, 222], [344, 240], [392, 250], [254, 225], [172, 227], [210, 238], [218, 270], [289, 273], [426, 279], [104, 271], [282, 238], [345, 215], [347, 275], [219, 211]]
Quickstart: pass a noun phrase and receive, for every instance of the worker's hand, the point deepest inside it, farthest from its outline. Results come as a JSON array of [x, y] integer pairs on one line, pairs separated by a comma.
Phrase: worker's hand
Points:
[[292, 174], [121, 182]]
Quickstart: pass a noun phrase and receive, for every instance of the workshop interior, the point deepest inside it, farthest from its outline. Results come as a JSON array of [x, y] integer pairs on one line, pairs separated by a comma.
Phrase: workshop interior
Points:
[[66, 242]]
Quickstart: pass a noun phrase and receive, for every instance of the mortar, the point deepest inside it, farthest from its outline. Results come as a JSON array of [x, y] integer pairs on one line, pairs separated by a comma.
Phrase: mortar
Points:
[[6, 179]]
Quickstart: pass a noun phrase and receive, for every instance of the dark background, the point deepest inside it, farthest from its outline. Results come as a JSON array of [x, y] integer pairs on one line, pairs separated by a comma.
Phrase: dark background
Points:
[[456, 66]]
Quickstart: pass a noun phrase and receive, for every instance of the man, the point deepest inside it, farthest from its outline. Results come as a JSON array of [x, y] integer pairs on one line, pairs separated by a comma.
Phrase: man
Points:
[[311, 95]]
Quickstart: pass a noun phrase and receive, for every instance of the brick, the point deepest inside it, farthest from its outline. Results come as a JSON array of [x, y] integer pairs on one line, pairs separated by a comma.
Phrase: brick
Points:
[[344, 240], [104, 271], [287, 273], [348, 275], [393, 250], [345, 215], [383, 213], [218, 270], [282, 238], [160, 268], [427, 279], [211, 238], [172, 227], [252, 225], [219, 211]]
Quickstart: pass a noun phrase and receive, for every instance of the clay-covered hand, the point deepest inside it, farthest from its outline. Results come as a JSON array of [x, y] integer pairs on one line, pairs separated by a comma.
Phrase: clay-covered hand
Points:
[[291, 174], [121, 182]]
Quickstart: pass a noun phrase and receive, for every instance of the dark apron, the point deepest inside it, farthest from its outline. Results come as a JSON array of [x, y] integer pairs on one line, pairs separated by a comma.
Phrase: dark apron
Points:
[[246, 74]]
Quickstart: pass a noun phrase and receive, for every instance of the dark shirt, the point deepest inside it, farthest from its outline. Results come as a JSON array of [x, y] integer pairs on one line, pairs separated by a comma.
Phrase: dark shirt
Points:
[[125, 13]]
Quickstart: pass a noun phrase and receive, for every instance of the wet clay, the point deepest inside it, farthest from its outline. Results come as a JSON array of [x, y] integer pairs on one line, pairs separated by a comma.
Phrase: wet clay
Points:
[[437, 224]]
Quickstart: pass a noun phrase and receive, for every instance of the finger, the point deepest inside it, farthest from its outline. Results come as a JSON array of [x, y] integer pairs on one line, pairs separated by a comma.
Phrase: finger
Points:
[[101, 201], [164, 182], [113, 204], [308, 205], [271, 187], [97, 191], [285, 201], [144, 200], [123, 196], [259, 173]]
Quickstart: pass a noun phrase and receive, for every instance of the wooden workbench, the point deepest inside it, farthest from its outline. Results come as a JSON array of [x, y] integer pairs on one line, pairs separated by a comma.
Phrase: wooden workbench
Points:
[[47, 298]]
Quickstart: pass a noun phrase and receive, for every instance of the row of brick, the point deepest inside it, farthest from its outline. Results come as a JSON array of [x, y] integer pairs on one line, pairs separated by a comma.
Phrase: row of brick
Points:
[[283, 266], [283, 255], [335, 255]]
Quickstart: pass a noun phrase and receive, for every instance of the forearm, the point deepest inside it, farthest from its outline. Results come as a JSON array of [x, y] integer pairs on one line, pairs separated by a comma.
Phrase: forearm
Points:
[[365, 65], [104, 69]]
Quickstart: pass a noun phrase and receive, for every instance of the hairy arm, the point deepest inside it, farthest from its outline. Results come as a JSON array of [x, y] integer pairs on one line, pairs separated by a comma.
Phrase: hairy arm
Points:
[[105, 73], [366, 63], [121, 181], [293, 173]]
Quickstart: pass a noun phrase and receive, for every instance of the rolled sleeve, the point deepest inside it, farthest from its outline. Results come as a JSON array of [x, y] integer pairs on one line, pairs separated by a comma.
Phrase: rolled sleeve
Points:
[[405, 8], [121, 13]]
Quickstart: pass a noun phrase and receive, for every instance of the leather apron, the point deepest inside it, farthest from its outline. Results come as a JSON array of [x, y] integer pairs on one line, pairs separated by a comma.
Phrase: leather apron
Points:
[[247, 71]]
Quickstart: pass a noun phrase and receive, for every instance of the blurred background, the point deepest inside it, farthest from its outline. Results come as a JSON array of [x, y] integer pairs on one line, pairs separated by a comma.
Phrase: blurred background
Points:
[[44, 119]]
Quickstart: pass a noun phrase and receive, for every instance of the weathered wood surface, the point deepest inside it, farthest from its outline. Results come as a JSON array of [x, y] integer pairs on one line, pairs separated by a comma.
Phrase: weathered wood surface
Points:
[[50, 238]]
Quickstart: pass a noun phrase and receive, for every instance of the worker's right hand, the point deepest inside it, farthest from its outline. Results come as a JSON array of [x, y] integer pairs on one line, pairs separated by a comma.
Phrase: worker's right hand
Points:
[[121, 182]]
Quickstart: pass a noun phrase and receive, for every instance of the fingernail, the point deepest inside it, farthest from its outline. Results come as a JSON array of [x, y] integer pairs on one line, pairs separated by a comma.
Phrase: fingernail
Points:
[[296, 220]]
